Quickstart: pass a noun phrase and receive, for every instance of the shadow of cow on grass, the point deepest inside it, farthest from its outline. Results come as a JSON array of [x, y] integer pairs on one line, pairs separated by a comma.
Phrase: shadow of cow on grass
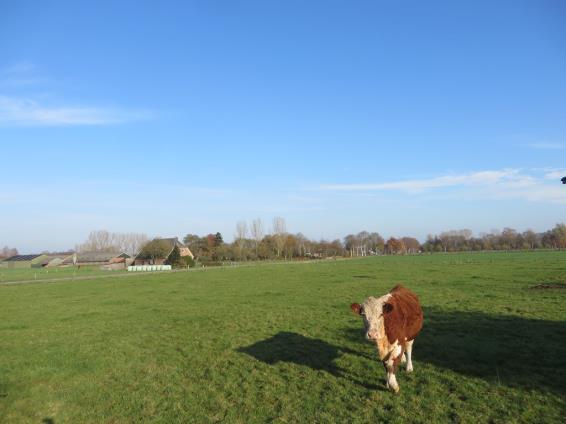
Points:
[[292, 347], [297, 349], [506, 350]]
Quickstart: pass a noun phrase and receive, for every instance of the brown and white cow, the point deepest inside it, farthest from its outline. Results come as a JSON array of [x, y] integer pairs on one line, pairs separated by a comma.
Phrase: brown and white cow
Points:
[[392, 321]]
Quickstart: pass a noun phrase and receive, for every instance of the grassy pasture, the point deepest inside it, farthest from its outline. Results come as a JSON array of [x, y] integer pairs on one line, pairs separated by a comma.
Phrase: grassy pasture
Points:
[[277, 343], [28, 274]]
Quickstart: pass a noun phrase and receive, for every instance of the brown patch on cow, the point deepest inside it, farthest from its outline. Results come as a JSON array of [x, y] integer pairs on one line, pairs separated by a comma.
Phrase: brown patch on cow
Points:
[[403, 316], [549, 286], [397, 360], [356, 308]]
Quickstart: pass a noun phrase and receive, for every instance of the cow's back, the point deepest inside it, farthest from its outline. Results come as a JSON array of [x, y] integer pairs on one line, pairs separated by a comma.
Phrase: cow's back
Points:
[[405, 320]]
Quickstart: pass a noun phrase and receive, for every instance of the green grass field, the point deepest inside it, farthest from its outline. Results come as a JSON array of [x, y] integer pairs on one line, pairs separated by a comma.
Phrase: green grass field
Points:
[[28, 274], [278, 343]]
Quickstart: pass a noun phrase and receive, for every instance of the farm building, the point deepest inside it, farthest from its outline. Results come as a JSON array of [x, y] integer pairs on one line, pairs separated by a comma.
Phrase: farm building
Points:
[[98, 258], [24, 261], [158, 251], [57, 259]]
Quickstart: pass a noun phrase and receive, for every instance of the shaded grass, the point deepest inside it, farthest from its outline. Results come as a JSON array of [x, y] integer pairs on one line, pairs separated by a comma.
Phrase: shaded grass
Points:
[[277, 343]]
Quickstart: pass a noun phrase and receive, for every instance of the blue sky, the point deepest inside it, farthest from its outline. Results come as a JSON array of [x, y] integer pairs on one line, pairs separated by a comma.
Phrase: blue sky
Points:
[[401, 117]]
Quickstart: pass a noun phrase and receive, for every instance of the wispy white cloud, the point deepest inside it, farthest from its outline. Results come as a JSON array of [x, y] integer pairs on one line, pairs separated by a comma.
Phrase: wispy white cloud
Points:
[[28, 112], [470, 179], [548, 146], [555, 174], [25, 109], [493, 184]]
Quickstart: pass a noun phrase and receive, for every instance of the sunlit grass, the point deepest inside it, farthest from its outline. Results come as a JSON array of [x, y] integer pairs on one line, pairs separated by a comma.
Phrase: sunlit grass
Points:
[[278, 343], [32, 274]]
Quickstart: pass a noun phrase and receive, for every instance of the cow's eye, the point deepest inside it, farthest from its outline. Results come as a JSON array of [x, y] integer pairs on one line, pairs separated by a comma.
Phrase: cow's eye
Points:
[[362, 312]]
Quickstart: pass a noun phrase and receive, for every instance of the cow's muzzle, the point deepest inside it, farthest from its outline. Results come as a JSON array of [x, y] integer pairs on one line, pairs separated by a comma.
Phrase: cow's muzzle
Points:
[[371, 335]]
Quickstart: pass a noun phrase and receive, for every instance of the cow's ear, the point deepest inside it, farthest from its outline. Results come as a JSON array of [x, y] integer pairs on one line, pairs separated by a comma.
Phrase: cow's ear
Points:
[[356, 308], [388, 307]]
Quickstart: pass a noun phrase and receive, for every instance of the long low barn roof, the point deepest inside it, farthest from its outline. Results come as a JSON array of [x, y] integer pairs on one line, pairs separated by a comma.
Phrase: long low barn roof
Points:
[[86, 257], [22, 258]]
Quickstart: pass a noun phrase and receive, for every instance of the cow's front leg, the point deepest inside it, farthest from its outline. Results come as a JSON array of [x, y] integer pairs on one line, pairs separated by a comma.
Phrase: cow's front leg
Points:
[[390, 367], [391, 363]]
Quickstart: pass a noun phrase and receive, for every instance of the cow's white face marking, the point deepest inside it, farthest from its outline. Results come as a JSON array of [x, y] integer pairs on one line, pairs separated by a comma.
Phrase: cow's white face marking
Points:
[[372, 313]]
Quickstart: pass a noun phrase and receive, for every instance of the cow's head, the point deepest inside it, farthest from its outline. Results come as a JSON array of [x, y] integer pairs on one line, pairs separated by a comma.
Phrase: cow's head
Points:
[[373, 311]]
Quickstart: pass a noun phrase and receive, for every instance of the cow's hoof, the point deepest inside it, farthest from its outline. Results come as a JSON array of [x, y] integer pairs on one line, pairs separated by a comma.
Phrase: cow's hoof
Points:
[[409, 369], [393, 388]]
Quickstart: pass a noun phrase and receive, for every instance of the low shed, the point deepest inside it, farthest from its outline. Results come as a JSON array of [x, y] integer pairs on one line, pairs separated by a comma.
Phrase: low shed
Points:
[[24, 261], [98, 258]]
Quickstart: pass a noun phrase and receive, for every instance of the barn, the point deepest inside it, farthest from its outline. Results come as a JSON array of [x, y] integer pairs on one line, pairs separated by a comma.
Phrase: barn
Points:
[[24, 261], [157, 251], [98, 258], [57, 259]]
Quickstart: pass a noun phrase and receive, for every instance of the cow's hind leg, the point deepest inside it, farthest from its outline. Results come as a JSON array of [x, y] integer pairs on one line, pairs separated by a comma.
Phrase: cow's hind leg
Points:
[[409, 351]]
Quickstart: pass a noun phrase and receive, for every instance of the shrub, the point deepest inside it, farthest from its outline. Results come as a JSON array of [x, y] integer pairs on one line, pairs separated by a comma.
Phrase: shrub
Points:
[[175, 259], [188, 261]]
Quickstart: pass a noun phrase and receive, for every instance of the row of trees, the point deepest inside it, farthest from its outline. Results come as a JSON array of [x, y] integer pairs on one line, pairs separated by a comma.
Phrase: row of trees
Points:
[[105, 241], [364, 243], [507, 239], [252, 243]]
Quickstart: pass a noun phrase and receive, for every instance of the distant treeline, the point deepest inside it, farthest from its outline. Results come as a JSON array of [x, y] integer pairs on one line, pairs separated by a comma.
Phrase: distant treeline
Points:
[[251, 243], [508, 239]]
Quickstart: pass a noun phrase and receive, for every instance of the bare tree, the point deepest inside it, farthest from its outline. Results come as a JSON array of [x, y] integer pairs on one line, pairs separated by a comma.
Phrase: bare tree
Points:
[[7, 252], [531, 239], [97, 241], [350, 243], [134, 242], [362, 239], [302, 243], [104, 241], [279, 232], [257, 233], [377, 243], [241, 233]]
